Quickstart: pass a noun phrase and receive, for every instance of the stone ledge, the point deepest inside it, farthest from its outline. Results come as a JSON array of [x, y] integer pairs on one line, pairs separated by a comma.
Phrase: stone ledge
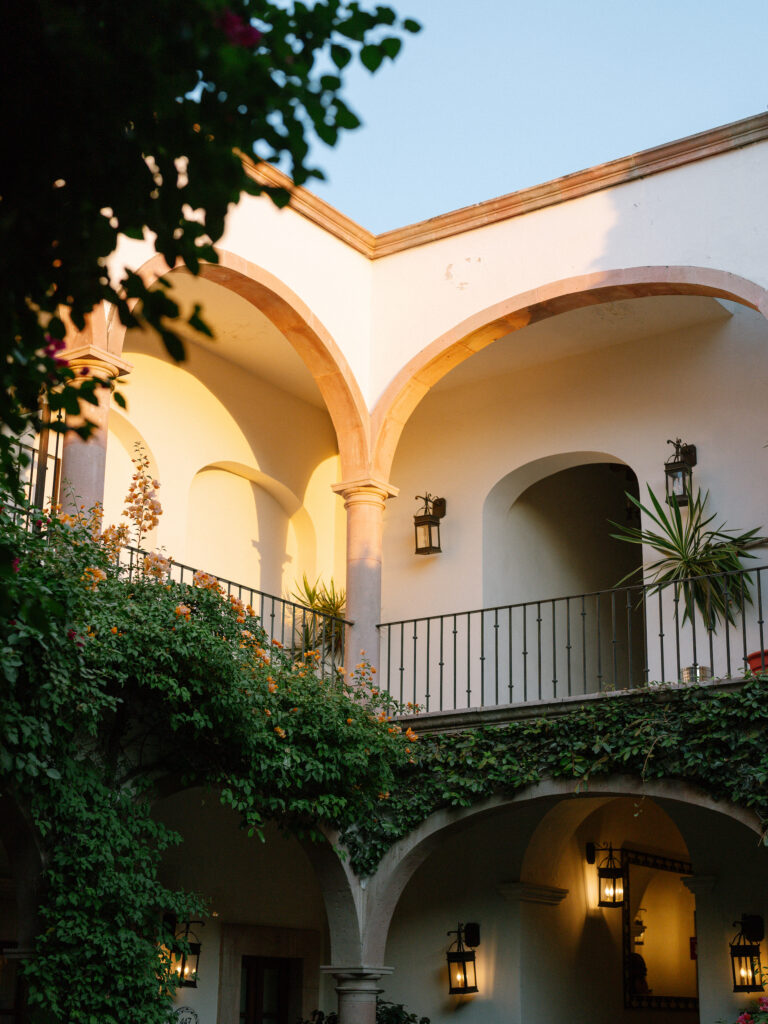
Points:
[[456, 720]]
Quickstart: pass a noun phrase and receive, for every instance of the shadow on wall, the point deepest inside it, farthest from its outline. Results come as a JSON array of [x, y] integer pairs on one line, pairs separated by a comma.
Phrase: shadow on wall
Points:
[[235, 529], [546, 535]]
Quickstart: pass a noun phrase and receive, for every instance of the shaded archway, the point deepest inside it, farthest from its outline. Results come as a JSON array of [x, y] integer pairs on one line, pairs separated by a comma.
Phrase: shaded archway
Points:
[[405, 857], [304, 331], [415, 379]]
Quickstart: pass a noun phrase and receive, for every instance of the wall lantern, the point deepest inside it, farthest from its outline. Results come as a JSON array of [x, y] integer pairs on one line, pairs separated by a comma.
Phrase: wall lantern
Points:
[[610, 876], [462, 976], [745, 954], [678, 469], [184, 963], [427, 524]]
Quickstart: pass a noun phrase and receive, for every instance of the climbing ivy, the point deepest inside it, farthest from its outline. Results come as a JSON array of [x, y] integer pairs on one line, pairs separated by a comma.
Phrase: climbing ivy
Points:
[[115, 689], [715, 739]]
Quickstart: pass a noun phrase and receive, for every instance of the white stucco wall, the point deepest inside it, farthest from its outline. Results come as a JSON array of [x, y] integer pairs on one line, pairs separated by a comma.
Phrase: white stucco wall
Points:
[[623, 402], [382, 313]]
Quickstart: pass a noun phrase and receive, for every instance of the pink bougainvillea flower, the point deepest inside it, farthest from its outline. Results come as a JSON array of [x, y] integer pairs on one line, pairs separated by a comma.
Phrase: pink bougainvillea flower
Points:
[[53, 346], [238, 31], [15, 564]]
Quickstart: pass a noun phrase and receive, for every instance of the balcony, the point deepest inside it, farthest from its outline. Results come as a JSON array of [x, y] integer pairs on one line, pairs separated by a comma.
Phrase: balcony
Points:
[[563, 649]]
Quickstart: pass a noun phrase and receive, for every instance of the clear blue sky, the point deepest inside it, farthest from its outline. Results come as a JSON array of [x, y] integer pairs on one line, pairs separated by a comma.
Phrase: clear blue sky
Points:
[[497, 95]]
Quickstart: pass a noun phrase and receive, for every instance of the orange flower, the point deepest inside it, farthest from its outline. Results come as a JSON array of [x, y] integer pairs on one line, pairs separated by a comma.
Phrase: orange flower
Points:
[[410, 735], [93, 576], [272, 687], [114, 629], [349, 721], [280, 732], [384, 795]]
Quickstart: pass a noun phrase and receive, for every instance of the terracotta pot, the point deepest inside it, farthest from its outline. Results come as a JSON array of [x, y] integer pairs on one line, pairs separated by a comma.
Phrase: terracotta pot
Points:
[[758, 661]]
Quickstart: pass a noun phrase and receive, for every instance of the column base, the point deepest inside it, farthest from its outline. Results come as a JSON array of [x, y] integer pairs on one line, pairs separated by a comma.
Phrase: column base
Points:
[[357, 989]]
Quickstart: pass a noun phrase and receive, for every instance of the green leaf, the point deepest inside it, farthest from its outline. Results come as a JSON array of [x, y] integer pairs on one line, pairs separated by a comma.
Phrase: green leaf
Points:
[[371, 57], [391, 46], [340, 55]]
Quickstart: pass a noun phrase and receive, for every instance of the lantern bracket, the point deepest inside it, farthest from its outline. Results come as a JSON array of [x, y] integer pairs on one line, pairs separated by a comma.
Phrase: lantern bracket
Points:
[[685, 453], [752, 927], [432, 506]]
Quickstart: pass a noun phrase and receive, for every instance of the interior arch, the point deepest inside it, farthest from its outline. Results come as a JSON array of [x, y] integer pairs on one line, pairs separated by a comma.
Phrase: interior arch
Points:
[[445, 353], [305, 333]]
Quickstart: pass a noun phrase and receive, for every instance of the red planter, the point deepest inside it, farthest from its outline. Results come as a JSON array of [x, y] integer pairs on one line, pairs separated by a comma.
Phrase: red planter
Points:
[[758, 661]]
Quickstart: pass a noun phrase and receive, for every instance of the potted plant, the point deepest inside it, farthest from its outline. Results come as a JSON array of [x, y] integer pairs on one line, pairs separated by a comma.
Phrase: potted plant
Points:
[[693, 556]]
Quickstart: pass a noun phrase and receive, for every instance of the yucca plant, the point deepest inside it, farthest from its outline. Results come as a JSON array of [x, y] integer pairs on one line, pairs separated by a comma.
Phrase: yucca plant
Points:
[[693, 555], [322, 632]]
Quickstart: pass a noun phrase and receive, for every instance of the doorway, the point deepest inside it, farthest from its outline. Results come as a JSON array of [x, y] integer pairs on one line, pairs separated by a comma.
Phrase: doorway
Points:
[[270, 990]]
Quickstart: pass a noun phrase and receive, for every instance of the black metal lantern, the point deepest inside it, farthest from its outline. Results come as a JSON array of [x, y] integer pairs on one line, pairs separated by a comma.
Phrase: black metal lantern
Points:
[[427, 524], [745, 954], [678, 470], [462, 974], [185, 962], [610, 876]]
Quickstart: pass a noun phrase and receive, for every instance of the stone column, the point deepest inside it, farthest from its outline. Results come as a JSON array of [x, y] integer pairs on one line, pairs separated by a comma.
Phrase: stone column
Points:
[[357, 988], [83, 463], [364, 501]]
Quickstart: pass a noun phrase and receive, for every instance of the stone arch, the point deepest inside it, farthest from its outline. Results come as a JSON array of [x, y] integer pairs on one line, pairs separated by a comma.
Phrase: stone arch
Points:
[[511, 486], [415, 379], [303, 330], [340, 889], [402, 860]]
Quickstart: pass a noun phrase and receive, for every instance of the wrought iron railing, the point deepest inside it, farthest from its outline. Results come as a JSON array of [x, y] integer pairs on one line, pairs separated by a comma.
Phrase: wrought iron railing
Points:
[[295, 627], [568, 646], [40, 477]]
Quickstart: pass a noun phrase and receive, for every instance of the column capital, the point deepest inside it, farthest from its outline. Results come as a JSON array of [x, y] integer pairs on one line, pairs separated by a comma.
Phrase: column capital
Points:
[[98, 360], [357, 988], [699, 885], [363, 978], [370, 490], [532, 892]]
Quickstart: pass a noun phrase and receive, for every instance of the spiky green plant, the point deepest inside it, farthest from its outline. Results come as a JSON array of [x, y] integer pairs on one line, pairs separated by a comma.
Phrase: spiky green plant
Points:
[[694, 557], [324, 631]]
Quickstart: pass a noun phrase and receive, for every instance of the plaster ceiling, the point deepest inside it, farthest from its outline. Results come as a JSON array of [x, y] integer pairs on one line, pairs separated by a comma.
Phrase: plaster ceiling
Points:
[[584, 330], [242, 335]]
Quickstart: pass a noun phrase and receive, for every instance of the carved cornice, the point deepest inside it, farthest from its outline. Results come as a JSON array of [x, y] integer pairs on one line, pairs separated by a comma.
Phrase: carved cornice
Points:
[[531, 892], [315, 209], [666, 157]]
